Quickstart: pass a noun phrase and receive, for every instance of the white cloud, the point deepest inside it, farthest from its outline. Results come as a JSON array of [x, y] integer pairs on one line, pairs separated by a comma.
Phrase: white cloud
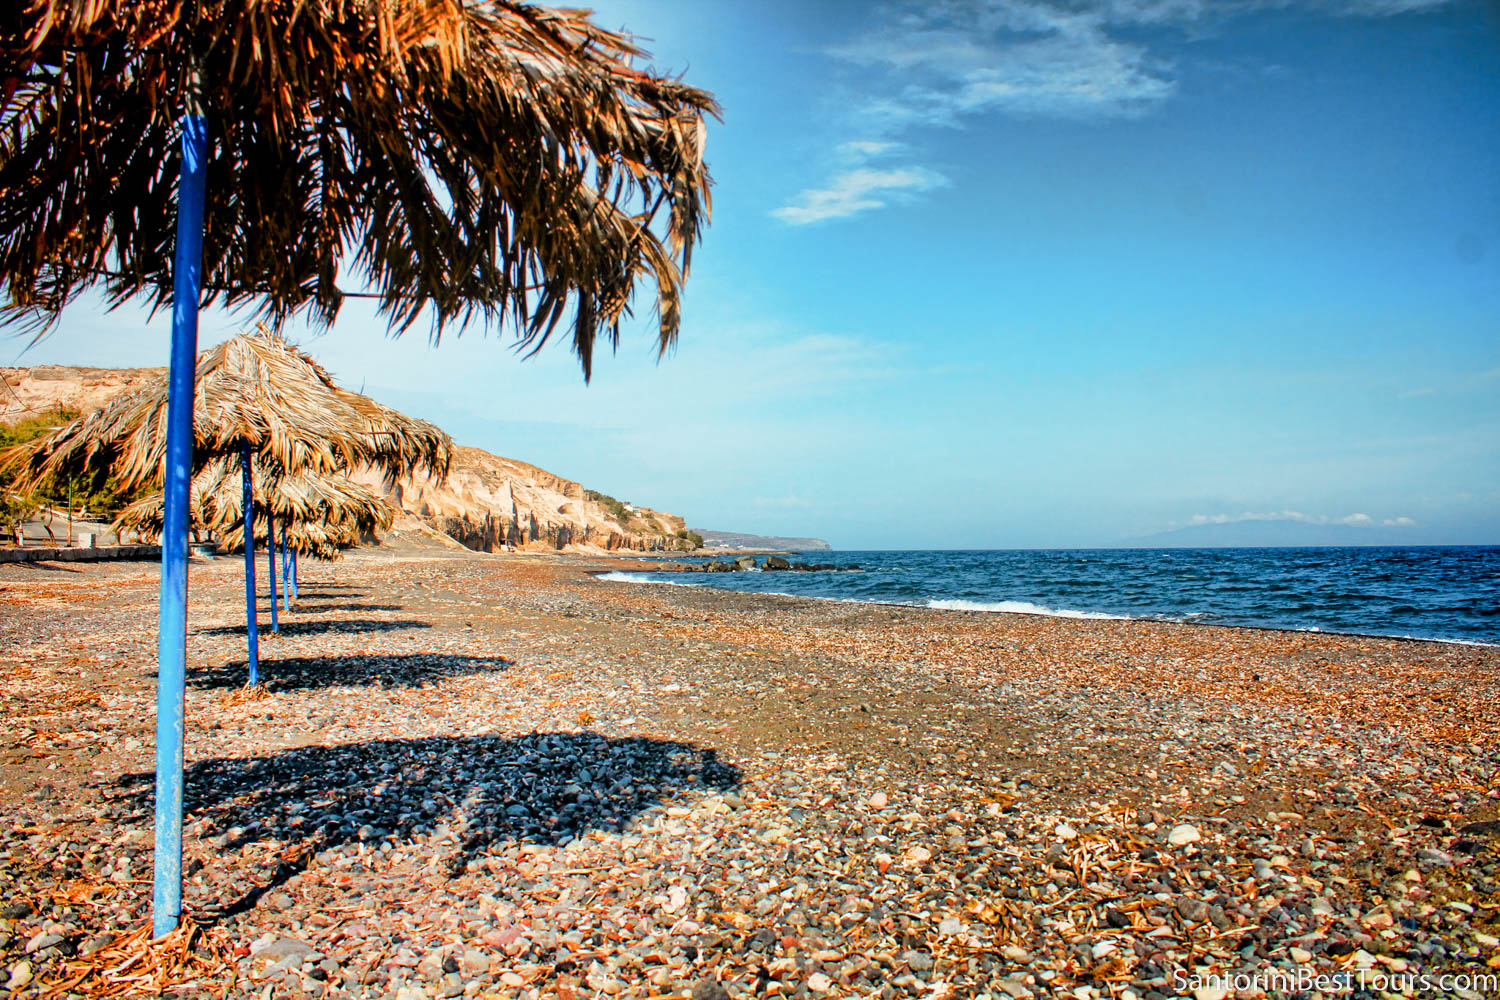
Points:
[[935, 63], [1084, 58], [1358, 520], [1383, 8], [791, 502], [1024, 58], [861, 150], [856, 191]]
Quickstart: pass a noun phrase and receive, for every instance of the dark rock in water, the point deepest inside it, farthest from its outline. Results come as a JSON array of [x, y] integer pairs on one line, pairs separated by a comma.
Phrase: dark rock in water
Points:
[[776, 562], [709, 989], [745, 562]]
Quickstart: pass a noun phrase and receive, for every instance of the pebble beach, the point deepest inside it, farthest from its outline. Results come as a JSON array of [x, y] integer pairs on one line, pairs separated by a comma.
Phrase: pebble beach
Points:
[[492, 776]]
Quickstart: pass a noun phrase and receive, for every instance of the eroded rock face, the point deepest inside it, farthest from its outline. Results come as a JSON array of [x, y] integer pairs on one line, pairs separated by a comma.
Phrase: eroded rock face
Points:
[[488, 503], [491, 504], [34, 391]]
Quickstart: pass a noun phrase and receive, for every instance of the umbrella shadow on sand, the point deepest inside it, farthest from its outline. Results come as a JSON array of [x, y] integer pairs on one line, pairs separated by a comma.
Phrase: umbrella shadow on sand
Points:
[[322, 627], [305, 673], [492, 791], [307, 607]]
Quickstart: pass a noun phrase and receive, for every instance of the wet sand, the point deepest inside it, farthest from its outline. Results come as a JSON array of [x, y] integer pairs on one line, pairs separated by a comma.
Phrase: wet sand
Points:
[[498, 776]]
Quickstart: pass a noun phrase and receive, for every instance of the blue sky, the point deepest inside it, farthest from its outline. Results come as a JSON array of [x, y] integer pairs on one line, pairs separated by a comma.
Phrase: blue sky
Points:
[[1003, 273]]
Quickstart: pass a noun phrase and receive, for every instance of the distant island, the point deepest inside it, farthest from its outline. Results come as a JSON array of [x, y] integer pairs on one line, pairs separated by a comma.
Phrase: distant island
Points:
[[735, 541]]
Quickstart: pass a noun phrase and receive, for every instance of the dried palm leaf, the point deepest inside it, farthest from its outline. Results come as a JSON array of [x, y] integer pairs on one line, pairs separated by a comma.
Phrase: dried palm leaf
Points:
[[254, 388], [459, 157], [320, 514], [189, 958]]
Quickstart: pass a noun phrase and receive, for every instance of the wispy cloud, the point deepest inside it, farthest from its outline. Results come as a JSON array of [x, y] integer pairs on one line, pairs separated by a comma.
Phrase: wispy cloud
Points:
[[1383, 8], [791, 502], [956, 60], [860, 150], [1358, 520], [935, 64], [856, 191]]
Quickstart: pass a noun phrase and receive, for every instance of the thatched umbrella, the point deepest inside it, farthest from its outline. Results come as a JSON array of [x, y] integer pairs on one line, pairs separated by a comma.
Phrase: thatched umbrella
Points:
[[258, 402], [255, 390], [471, 156], [317, 515]]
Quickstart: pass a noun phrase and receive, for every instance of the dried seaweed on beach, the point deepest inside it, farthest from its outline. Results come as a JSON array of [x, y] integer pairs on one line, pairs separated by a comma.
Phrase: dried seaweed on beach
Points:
[[138, 965]]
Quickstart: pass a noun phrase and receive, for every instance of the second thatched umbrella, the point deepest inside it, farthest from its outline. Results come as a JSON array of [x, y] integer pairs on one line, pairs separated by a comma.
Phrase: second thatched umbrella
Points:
[[260, 402], [317, 515]]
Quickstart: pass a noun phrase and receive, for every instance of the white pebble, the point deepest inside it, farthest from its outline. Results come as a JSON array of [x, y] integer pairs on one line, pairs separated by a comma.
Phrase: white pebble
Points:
[[1183, 834]]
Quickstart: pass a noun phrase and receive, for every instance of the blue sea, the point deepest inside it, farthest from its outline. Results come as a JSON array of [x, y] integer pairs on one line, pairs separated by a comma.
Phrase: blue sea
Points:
[[1449, 593]]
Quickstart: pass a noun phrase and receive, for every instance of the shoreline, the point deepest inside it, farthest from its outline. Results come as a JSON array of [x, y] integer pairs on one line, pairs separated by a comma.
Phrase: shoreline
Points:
[[805, 797], [1061, 615]]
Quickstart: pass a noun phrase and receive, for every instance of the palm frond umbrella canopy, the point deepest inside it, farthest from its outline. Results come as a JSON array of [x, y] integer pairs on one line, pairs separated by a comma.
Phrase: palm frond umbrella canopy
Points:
[[254, 390], [468, 157], [461, 157], [318, 514]]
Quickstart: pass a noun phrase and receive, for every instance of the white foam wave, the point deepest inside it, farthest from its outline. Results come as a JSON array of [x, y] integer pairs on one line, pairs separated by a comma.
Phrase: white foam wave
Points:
[[615, 576], [1452, 642], [1021, 608]]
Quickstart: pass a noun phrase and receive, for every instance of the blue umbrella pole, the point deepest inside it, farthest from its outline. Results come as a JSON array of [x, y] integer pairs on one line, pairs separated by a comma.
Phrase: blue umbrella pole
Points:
[[171, 648], [286, 574], [247, 526], [295, 595], [271, 567]]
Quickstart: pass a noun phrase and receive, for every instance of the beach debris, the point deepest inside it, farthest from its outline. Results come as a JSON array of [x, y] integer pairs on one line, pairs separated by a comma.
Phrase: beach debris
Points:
[[135, 964]]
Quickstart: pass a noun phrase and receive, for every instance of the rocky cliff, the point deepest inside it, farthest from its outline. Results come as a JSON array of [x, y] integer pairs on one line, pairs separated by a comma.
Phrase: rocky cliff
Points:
[[491, 504], [488, 503], [31, 392]]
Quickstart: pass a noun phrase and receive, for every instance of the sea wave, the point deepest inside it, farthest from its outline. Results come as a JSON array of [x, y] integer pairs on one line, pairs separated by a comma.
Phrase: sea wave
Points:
[[615, 576], [1020, 608]]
